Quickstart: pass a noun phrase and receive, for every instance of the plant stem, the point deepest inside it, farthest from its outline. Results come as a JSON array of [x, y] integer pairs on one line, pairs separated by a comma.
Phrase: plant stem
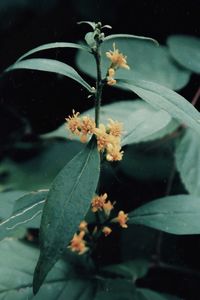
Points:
[[99, 84]]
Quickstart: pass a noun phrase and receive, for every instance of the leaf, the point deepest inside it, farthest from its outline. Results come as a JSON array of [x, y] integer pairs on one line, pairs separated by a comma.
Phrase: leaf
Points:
[[130, 269], [26, 209], [52, 46], [146, 294], [146, 61], [50, 65], [7, 200], [17, 265], [67, 203], [130, 36], [139, 119], [161, 97], [187, 157], [173, 214], [186, 51], [39, 171], [92, 24]]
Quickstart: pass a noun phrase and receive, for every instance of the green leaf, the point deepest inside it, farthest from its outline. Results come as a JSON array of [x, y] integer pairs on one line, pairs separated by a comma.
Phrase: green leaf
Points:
[[130, 36], [92, 24], [52, 46], [146, 294], [26, 213], [39, 171], [174, 214], [17, 262], [187, 157], [161, 97], [7, 201], [186, 51], [50, 65], [148, 161], [89, 38], [130, 269], [67, 203], [140, 120], [146, 61]]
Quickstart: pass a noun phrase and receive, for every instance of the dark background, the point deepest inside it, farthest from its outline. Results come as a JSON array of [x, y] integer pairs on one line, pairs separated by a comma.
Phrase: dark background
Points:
[[36, 102]]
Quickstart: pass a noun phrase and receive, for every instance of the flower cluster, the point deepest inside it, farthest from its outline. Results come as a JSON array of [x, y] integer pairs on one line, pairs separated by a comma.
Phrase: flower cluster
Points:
[[118, 60], [108, 137], [99, 204]]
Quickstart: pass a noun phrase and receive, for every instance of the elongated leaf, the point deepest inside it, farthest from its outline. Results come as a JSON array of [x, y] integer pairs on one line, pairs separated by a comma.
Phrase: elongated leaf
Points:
[[140, 120], [50, 65], [17, 265], [174, 214], [92, 24], [129, 36], [146, 61], [52, 46], [26, 213], [186, 50], [188, 161], [67, 203], [7, 201], [161, 97]]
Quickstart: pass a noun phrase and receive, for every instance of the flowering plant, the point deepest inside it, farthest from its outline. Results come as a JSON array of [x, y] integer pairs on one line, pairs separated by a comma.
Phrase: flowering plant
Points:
[[78, 213]]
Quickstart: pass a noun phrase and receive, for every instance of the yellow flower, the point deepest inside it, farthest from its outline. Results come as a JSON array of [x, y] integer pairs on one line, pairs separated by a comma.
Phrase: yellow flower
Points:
[[74, 123], [115, 128], [118, 60], [114, 152], [83, 226], [106, 230], [122, 219], [98, 202], [110, 79], [103, 137], [107, 207], [77, 244]]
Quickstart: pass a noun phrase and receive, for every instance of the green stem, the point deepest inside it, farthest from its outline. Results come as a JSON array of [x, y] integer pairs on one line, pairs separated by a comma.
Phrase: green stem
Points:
[[99, 84]]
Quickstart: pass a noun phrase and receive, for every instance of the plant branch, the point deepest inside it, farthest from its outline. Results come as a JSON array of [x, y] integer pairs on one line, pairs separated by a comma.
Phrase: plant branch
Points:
[[196, 97]]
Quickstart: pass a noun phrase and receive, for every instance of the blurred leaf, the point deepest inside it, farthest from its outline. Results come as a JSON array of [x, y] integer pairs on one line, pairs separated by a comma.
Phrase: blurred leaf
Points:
[[187, 157], [52, 46], [130, 269], [7, 201], [146, 61], [186, 51], [92, 24], [39, 171], [140, 120], [129, 36], [50, 65], [26, 209], [148, 161], [115, 289], [146, 294], [163, 98], [17, 264], [174, 214], [67, 204]]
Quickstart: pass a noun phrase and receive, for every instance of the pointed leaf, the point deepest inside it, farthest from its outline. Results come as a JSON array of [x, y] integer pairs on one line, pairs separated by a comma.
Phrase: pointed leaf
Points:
[[187, 157], [174, 214], [67, 203], [50, 65], [186, 50], [52, 46], [25, 211], [161, 97], [92, 24], [129, 36]]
